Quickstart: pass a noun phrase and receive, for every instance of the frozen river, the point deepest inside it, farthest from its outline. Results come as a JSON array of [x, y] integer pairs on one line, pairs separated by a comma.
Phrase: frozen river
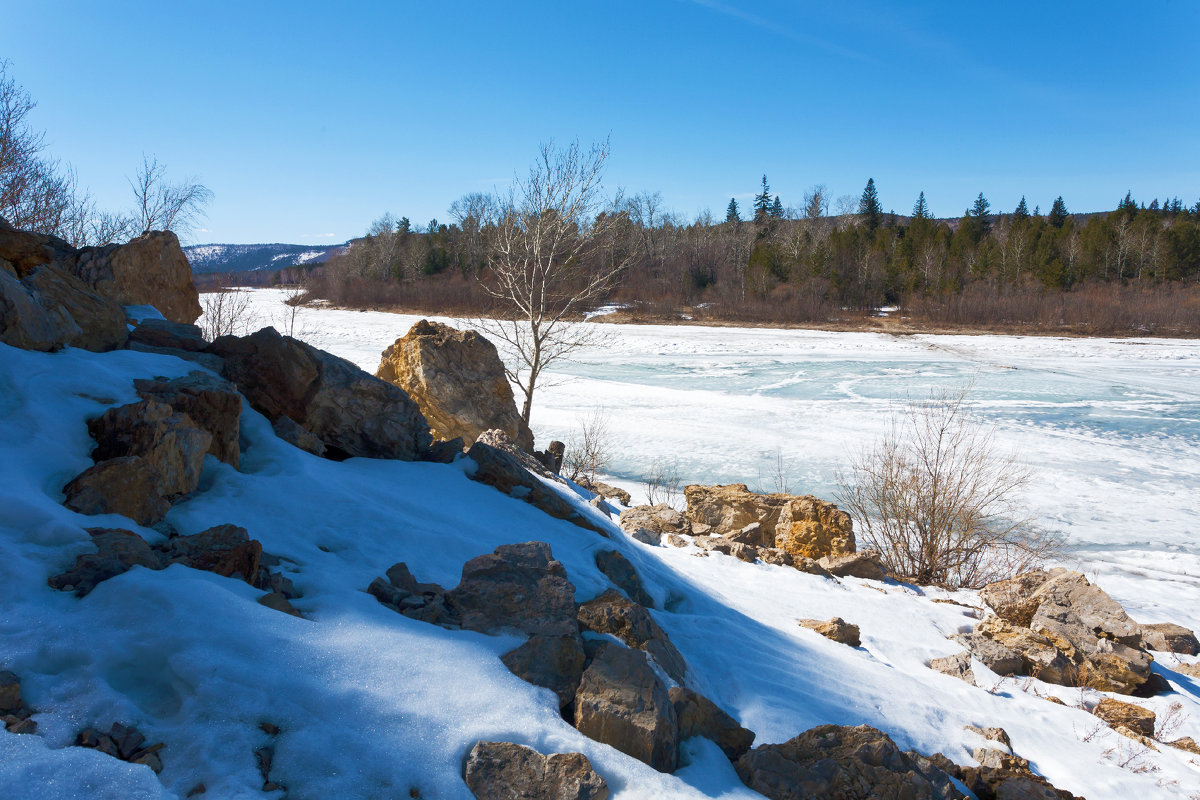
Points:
[[1110, 427]]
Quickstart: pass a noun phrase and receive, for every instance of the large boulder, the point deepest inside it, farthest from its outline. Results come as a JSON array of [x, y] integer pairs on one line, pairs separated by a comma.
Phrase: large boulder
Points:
[[501, 464], [507, 771], [623, 703], [25, 251], [864, 564], [101, 321], [849, 763], [615, 614], [127, 486], [553, 662], [213, 404], [458, 380], [699, 716], [648, 524], [25, 322], [517, 587], [148, 270], [1167, 637], [352, 412], [169, 441], [800, 525]]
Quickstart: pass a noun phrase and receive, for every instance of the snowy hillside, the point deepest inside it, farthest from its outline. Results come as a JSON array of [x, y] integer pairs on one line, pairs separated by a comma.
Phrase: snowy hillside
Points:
[[206, 258], [372, 704]]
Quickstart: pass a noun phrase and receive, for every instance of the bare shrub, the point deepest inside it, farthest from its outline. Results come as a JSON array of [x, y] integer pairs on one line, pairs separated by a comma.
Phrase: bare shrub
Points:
[[588, 447], [938, 501], [227, 312], [662, 482]]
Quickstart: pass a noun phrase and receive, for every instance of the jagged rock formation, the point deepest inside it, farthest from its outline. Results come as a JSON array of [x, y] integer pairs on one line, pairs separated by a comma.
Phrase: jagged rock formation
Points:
[[458, 381], [211, 403], [649, 524]]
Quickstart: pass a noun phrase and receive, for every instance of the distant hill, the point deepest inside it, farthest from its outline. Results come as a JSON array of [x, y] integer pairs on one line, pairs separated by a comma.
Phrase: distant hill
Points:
[[210, 258]]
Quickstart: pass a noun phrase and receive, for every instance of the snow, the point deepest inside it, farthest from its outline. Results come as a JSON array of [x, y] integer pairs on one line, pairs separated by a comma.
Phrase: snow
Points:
[[372, 704]]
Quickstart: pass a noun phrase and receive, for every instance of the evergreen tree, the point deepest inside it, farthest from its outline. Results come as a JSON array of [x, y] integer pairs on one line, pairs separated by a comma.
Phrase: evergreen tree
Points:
[[1037, 211], [1154, 204], [732, 214], [869, 207], [762, 202], [1058, 212], [981, 212], [777, 208], [921, 209], [1022, 212], [1128, 205]]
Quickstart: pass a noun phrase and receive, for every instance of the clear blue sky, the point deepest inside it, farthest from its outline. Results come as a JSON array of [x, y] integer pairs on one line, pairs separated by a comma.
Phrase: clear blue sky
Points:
[[309, 120]]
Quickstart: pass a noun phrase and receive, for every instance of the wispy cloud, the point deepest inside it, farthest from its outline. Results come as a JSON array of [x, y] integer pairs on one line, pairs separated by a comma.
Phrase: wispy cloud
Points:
[[780, 30], [203, 230]]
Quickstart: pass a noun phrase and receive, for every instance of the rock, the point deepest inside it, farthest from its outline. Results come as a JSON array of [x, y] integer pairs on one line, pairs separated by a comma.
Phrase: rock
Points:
[[992, 758], [618, 569], [123, 742], [10, 692], [1167, 637], [732, 507], [127, 486], [753, 534], [1191, 670], [623, 703], [500, 464], [226, 550], [1070, 606], [811, 528], [554, 662], [169, 441], [600, 505], [811, 567], [26, 251], [865, 564], [148, 270], [699, 716], [117, 551], [443, 451], [278, 601], [1186, 743], [1013, 599], [675, 540], [27, 324], [351, 412], [780, 558], [714, 544], [296, 436], [836, 629], [992, 734], [211, 403], [517, 587], [506, 771], [615, 614], [167, 335], [604, 490], [1007, 649], [743, 552], [552, 457], [956, 666], [1119, 714], [859, 763], [100, 322], [458, 381]]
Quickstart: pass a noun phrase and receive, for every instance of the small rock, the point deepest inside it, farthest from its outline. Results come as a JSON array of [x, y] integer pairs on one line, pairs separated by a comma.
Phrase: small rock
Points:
[[992, 734], [1121, 714], [516, 587], [957, 666], [992, 758], [1167, 637], [277, 601], [864, 564], [506, 771], [649, 523], [1186, 743], [117, 551], [10, 692], [699, 716], [836, 629]]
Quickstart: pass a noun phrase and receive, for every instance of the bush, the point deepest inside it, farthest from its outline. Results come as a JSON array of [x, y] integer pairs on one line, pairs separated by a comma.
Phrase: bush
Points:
[[940, 504]]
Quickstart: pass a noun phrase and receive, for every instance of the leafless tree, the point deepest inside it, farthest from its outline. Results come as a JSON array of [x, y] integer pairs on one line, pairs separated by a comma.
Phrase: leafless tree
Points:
[[472, 212], [542, 264], [160, 205], [816, 202], [662, 484], [588, 447], [226, 312], [938, 501]]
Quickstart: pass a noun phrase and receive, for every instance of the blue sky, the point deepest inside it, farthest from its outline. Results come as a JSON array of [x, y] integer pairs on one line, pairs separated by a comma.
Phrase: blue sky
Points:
[[309, 120]]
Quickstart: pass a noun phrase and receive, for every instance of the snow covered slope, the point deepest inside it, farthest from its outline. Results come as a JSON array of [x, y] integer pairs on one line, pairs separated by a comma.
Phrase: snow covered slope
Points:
[[372, 704], [206, 258]]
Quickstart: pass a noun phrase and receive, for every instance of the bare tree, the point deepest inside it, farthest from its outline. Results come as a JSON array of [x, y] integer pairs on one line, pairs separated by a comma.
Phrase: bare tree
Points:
[[661, 483], [940, 504], [588, 448], [161, 206], [227, 312], [816, 202], [547, 260]]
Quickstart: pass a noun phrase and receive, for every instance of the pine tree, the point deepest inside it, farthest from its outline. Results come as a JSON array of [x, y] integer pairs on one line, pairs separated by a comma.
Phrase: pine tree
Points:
[[869, 207], [1058, 213], [732, 214], [981, 212], [1037, 211], [1128, 205], [921, 209], [762, 202], [777, 208], [1022, 212]]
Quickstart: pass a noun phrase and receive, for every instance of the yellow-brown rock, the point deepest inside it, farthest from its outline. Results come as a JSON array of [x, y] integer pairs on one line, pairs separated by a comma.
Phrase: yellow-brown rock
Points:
[[803, 526], [458, 380]]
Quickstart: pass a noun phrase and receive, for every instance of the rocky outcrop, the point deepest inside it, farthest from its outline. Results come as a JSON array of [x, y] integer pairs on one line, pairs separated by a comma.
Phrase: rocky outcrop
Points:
[[1060, 628], [553, 662], [100, 321], [149, 270], [802, 526], [26, 251], [865, 564], [648, 524], [127, 486], [506, 771], [615, 614], [836, 629], [617, 569], [351, 412], [623, 703], [500, 464], [859, 763], [699, 716], [124, 742], [1167, 637], [212, 404], [458, 381], [516, 587], [14, 715], [169, 442]]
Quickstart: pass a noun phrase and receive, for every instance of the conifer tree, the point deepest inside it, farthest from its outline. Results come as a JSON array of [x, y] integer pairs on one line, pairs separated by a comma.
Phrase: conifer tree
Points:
[[732, 214], [777, 208], [1058, 213], [981, 212], [1022, 212], [1128, 205], [921, 209], [762, 202], [869, 207]]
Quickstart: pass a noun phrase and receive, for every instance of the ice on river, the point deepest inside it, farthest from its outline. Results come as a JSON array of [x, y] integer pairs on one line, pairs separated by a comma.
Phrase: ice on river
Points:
[[1110, 427]]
